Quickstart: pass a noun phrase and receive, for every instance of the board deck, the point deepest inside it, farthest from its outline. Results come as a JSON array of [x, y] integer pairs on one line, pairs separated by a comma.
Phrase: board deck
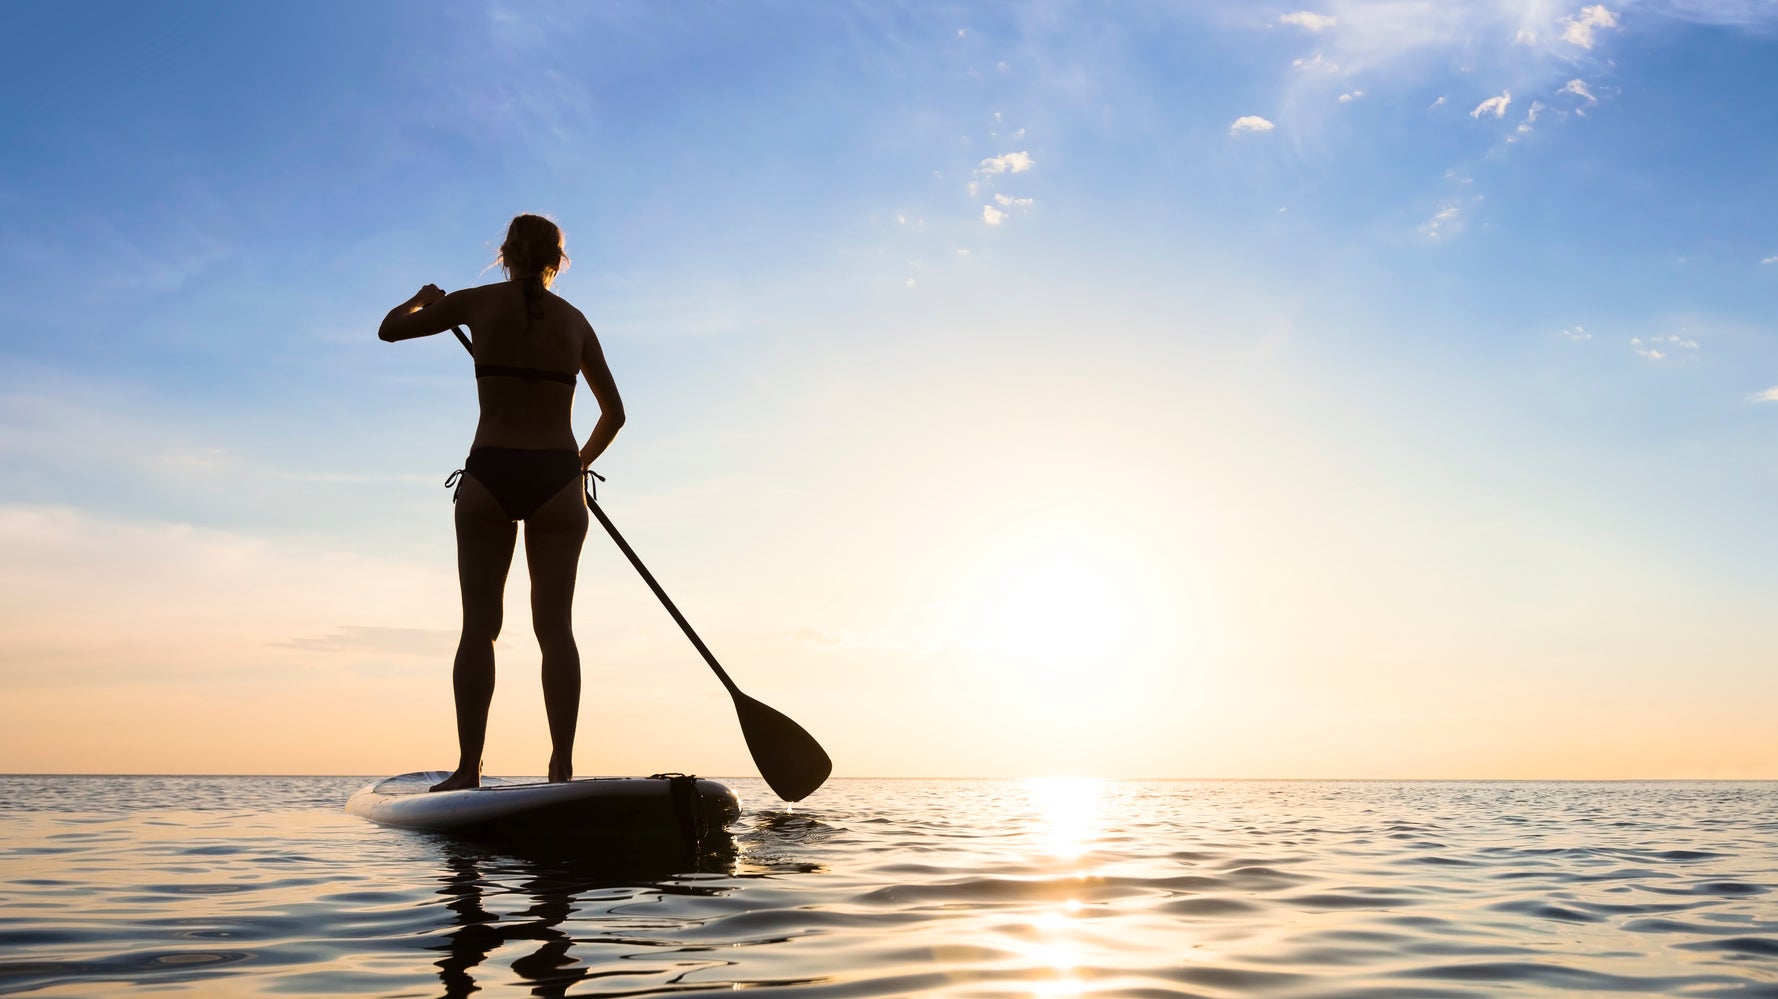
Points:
[[602, 812]]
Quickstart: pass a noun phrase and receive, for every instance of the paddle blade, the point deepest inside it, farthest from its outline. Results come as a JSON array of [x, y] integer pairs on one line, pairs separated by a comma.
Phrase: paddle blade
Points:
[[791, 761]]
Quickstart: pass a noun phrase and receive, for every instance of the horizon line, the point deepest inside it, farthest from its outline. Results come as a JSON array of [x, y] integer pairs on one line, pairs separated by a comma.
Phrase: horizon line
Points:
[[1204, 780]]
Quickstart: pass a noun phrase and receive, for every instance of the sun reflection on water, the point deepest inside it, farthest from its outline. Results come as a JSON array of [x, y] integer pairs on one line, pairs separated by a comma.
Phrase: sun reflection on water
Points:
[[1069, 810], [1068, 813]]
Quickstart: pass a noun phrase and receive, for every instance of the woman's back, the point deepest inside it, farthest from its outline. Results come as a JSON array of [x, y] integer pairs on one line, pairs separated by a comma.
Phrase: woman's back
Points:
[[529, 345]]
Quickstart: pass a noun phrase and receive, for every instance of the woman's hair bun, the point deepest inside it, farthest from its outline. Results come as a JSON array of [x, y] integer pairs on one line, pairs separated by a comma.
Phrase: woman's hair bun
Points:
[[534, 246]]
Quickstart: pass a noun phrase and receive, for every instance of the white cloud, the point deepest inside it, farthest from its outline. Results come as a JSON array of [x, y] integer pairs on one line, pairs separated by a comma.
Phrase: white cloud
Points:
[[1005, 163], [118, 596], [1318, 64], [1577, 333], [432, 643], [1579, 87], [1250, 123], [1664, 345], [992, 215], [1444, 222], [1495, 106], [1524, 128], [1773, 259], [1436, 103], [1769, 395], [910, 282], [818, 637], [1401, 38], [1349, 98], [1578, 29], [1309, 20], [1006, 202]]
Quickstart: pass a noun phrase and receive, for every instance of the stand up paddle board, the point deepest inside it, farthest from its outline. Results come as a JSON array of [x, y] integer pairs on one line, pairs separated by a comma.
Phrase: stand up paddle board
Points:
[[666, 811]]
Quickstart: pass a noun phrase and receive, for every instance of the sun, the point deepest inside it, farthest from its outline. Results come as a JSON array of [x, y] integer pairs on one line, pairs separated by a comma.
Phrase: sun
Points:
[[1060, 600]]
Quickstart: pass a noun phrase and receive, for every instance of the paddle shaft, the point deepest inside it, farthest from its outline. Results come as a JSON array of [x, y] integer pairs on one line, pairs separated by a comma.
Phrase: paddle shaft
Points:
[[666, 601], [647, 577]]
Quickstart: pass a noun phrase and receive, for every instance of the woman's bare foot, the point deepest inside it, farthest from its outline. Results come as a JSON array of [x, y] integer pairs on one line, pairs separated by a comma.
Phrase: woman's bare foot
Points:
[[461, 779], [560, 772]]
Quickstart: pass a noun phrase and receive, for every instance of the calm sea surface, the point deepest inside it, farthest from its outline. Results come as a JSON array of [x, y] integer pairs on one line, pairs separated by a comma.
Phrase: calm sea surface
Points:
[[235, 886]]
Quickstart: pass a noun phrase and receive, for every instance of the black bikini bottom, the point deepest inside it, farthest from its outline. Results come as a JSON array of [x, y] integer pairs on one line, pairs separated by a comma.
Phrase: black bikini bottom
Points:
[[522, 479]]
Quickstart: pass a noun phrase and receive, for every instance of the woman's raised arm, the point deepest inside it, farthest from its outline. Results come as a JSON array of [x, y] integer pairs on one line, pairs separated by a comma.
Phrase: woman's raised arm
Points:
[[429, 311]]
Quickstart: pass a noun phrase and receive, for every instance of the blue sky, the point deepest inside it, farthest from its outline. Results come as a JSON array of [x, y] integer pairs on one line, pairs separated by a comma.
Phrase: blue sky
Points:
[[1392, 366]]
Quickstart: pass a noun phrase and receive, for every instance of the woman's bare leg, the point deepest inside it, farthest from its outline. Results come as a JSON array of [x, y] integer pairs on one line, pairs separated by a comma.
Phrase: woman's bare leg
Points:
[[553, 538], [485, 537]]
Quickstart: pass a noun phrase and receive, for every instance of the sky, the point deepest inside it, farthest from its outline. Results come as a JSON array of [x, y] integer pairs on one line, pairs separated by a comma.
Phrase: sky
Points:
[[1354, 389]]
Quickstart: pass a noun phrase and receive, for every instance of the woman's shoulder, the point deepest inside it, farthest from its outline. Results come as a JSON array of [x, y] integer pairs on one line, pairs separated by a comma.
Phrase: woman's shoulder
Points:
[[567, 307]]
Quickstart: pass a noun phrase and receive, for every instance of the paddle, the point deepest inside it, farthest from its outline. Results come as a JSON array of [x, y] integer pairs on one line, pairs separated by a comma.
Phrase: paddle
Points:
[[792, 763]]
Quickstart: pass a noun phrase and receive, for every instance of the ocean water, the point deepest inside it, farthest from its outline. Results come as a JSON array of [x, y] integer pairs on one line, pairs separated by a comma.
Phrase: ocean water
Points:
[[234, 886]]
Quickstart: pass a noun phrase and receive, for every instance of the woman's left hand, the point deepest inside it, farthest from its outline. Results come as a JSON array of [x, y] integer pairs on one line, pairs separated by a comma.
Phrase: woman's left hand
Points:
[[427, 295]]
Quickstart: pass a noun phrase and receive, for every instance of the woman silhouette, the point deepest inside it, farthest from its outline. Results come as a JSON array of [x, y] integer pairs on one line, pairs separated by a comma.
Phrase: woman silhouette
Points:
[[522, 465]]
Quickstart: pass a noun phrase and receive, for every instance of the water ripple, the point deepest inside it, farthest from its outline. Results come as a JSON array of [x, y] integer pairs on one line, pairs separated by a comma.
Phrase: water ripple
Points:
[[1299, 890]]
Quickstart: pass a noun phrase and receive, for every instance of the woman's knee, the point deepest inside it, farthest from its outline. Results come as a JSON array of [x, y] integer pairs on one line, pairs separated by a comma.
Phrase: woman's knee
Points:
[[483, 626], [553, 637]]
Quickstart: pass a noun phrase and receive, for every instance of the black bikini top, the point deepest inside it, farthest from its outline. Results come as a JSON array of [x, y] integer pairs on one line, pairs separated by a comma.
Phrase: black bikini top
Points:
[[508, 371]]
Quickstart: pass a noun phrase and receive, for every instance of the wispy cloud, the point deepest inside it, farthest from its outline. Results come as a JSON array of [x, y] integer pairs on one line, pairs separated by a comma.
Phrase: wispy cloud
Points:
[[1529, 47], [1309, 20], [1250, 123], [1773, 259], [1663, 346], [1576, 334], [149, 599], [821, 638], [1445, 222], [1526, 126], [433, 643], [1769, 395], [1007, 202], [1578, 29], [992, 215], [1495, 106], [1579, 88], [1351, 96]]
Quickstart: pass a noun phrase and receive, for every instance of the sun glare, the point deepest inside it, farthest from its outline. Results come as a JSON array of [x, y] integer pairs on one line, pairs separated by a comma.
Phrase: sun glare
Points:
[[1055, 600], [1068, 807], [1065, 632]]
